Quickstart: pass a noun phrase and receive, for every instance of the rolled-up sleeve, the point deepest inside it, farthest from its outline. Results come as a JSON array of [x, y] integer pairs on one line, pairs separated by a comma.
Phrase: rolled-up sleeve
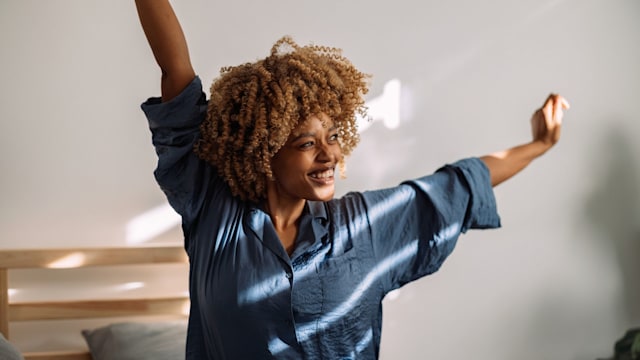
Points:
[[466, 186], [174, 126], [415, 226]]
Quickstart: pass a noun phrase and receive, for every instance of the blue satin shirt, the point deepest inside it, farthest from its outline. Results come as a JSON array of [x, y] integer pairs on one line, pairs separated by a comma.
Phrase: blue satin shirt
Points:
[[251, 300]]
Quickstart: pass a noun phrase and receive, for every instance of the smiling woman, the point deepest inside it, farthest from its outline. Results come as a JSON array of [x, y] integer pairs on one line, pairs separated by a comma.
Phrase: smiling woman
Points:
[[303, 169], [278, 267]]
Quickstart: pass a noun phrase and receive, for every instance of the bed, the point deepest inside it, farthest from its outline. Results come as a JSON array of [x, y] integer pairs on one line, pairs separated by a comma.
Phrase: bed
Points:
[[13, 312]]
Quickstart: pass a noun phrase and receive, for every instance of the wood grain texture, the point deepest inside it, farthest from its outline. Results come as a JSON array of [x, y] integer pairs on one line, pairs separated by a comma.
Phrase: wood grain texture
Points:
[[84, 257], [62, 310], [99, 308], [4, 302], [58, 355]]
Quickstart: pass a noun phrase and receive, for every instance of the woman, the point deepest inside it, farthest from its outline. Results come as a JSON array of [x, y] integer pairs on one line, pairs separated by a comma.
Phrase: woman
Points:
[[278, 268]]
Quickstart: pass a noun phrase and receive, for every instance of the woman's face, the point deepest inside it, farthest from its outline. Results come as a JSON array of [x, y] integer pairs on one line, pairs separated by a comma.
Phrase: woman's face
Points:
[[304, 167]]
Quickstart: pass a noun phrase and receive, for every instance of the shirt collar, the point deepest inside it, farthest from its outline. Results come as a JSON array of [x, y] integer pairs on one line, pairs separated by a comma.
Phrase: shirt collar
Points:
[[257, 219], [318, 210], [320, 224]]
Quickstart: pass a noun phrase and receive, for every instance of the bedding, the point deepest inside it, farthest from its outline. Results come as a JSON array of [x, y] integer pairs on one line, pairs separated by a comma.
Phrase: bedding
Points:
[[138, 341], [8, 351]]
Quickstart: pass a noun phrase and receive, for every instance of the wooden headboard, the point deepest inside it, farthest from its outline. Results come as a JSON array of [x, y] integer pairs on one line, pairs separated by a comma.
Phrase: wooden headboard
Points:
[[77, 258]]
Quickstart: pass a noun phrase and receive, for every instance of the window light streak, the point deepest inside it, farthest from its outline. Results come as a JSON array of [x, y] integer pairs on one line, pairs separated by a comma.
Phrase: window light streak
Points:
[[277, 346], [397, 199], [130, 286], [151, 223], [447, 233], [305, 331], [186, 308], [12, 292], [384, 266], [72, 260], [385, 108], [364, 342], [275, 284]]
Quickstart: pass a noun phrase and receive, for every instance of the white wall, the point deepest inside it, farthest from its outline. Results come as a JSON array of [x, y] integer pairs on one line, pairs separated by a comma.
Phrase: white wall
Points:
[[560, 280]]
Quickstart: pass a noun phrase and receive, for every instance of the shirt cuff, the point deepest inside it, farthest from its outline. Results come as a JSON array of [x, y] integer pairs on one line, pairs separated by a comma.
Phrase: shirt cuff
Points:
[[483, 211], [179, 111]]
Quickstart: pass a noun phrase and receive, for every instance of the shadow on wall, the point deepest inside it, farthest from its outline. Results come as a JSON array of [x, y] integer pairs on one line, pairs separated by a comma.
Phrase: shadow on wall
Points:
[[614, 210], [562, 325]]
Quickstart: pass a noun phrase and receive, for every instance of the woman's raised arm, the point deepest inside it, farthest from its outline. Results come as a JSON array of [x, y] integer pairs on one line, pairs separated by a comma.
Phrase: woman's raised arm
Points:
[[167, 41], [546, 124]]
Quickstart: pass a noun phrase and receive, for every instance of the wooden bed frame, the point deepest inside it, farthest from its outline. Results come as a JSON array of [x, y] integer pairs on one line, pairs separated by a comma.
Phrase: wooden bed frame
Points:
[[48, 258]]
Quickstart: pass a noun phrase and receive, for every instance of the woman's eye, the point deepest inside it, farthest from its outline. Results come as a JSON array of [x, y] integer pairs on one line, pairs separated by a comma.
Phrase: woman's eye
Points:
[[306, 145], [333, 137]]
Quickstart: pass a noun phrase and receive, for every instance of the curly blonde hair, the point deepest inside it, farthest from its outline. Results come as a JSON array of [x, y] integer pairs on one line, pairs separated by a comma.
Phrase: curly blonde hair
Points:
[[255, 106]]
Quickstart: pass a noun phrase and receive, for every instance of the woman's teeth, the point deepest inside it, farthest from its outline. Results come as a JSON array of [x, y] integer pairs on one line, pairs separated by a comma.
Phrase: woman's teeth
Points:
[[322, 174]]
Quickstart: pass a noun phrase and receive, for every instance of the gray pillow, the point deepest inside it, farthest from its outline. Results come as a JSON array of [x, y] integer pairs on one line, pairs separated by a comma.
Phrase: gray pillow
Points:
[[8, 351], [138, 341]]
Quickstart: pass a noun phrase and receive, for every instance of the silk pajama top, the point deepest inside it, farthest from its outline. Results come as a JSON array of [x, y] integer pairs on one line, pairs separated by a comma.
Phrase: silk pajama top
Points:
[[251, 300]]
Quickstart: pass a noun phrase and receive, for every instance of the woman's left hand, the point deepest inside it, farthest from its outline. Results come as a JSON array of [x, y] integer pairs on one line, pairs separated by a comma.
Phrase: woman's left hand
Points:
[[546, 122]]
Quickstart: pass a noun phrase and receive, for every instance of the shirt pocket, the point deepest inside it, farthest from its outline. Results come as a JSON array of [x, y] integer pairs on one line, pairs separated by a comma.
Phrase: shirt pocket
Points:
[[348, 303]]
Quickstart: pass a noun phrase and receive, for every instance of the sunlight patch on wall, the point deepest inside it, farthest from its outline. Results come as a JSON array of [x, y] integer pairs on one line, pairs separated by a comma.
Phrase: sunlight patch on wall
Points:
[[151, 223], [72, 260], [384, 108]]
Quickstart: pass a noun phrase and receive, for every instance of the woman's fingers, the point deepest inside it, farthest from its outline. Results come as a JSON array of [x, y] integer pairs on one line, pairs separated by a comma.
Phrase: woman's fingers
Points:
[[553, 109], [548, 119]]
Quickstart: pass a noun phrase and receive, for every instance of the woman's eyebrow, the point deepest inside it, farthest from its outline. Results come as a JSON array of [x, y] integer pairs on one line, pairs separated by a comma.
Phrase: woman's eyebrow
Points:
[[303, 135], [311, 133]]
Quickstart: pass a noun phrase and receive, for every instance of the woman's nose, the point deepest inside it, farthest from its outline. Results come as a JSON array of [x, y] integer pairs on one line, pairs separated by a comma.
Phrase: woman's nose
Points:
[[329, 153]]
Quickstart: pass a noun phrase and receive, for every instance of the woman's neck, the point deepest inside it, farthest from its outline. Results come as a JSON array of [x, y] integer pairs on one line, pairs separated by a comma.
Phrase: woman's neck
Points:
[[285, 215]]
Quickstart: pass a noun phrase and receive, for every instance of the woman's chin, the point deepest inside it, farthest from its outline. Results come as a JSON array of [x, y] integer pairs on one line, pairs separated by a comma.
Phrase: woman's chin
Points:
[[325, 195]]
